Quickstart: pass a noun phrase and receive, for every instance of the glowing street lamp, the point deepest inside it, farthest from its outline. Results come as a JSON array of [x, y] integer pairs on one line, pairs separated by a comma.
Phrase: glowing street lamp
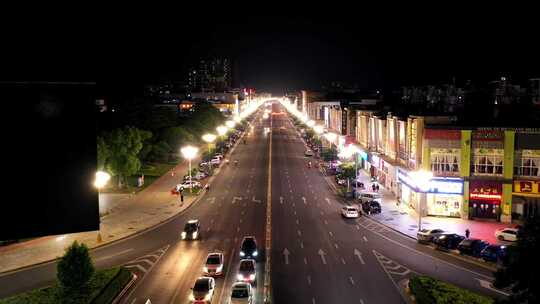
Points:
[[189, 152], [318, 129], [102, 178], [209, 138], [230, 124], [221, 130], [421, 179], [238, 119], [310, 123]]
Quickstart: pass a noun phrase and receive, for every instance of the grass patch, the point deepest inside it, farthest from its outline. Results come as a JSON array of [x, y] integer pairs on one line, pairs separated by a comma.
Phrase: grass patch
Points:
[[102, 288], [151, 171], [427, 290]]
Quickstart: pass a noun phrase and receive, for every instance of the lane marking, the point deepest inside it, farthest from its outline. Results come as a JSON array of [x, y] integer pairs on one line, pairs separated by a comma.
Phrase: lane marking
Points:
[[359, 255], [335, 245], [226, 275], [325, 222], [328, 200], [330, 232], [299, 233], [365, 238], [305, 261], [114, 254], [309, 280], [343, 261], [301, 244], [351, 280], [297, 222]]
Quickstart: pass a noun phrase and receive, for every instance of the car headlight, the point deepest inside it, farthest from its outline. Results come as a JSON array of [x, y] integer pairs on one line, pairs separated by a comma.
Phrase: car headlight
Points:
[[242, 253], [183, 235], [205, 269], [194, 235], [252, 277], [255, 253], [239, 277]]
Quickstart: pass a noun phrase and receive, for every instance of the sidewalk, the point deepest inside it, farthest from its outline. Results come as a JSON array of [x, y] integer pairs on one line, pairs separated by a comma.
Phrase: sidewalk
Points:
[[125, 216], [405, 220]]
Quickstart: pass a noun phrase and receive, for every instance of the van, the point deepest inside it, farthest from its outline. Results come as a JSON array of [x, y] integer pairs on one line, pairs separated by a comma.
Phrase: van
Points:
[[365, 197]]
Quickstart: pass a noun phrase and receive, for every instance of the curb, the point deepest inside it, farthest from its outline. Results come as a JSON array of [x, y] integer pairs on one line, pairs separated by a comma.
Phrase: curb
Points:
[[406, 292], [125, 289]]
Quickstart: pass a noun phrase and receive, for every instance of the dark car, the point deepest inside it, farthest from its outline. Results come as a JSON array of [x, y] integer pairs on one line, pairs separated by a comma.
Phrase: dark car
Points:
[[372, 207], [448, 241], [472, 247], [248, 250], [493, 253], [191, 230]]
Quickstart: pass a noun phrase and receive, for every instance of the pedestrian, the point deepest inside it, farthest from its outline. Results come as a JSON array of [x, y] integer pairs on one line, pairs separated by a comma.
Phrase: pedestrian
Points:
[[467, 233], [373, 187], [377, 187], [181, 197]]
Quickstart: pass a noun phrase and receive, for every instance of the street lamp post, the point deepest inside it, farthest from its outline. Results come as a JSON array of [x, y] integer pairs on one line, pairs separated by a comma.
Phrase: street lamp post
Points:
[[421, 180], [189, 152], [102, 178], [221, 132]]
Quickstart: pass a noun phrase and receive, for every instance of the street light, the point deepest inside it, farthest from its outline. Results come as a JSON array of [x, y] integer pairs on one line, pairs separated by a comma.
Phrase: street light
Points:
[[310, 123], [230, 124], [102, 178], [421, 179], [221, 130], [209, 138], [189, 152]]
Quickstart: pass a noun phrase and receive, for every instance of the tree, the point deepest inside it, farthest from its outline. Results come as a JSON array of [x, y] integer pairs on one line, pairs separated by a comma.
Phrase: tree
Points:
[[125, 145], [75, 268], [176, 136], [347, 172], [329, 154], [522, 265], [160, 152], [103, 153]]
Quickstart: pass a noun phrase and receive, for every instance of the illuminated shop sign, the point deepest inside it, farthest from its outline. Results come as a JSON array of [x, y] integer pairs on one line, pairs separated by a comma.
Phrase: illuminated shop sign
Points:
[[435, 185], [363, 155], [485, 190]]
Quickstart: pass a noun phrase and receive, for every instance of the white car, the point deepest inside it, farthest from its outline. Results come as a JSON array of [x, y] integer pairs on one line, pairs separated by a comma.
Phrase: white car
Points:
[[308, 153], [427, 235], [214, 264], [215, 161], [241, 293], [203, 290], [507, 234], [188, 185], [350, 212]]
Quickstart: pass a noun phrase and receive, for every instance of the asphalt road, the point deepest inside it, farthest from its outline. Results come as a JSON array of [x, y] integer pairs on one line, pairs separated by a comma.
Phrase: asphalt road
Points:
[[319, 257], [167, 267]]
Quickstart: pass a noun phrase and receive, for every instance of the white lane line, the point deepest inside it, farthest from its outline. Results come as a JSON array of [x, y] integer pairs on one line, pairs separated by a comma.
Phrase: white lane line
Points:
[[361, 301], [237, 229], [309, 280], [301, 244], [325, 222], [299, 233], [330, 232], [293, 204], [327, 200], [114, 254], [240, 221], [294, 212], [343, 261], [207, 229], [352, 281], [357, 227], [365, 238], [142, 269], [297, 222], [305, 261], [322, 213], [313, 301], [335, 245]]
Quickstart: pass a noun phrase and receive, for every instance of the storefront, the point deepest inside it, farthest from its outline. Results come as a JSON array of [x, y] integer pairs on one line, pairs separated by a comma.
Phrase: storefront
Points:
[[388, 171], [485, 199], [525, 199], [438, 197], [374, 167]]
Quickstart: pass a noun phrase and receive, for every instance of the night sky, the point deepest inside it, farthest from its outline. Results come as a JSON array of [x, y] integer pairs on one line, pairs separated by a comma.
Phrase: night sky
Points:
[[276, 53]]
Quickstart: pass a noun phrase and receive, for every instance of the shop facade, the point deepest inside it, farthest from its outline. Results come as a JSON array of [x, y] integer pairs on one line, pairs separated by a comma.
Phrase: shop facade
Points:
[[525, 199], [485, 198]]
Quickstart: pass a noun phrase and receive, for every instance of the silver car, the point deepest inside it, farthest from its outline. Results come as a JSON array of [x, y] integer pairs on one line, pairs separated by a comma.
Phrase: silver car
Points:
[[427, 235], [242, 293]]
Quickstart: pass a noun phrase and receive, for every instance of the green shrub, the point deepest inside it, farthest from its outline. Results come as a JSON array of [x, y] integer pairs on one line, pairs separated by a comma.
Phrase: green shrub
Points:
[[75, 268], [107, 294], [428, 290]]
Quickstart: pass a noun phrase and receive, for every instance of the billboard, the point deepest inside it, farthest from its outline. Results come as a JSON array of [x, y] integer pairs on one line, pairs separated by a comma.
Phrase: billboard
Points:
[[49, 158]]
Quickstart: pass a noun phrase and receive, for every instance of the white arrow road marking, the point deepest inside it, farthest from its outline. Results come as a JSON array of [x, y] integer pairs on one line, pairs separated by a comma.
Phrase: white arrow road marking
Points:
[[236, 198], [313, 300], [281, 200], [211, 200], [343, 261], [335, 245], [142, 269], [487, 284], [297, 222], [351, 280], [299, 232], [305, 261], [309, 280], [304, 199], [330, 232], [359, 255], [286, 254], [365, 238], [327, 200], [322, 213], [322, 254], [302, 245], [325, 222], [357, 227], [255, 200]]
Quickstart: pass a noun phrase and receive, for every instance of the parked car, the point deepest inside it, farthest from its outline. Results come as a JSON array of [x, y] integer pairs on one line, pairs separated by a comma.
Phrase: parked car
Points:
[[191, 230], [507, 234], [248, 249], [198, 176], [188, 185], [241, 293], [308, 153], [215, 161], [365, 197], [448, 241], [472, 247], [350, 212], [427, 235], [203, 290], [214, 264], [493, 253], [372, 207], [246, 271]]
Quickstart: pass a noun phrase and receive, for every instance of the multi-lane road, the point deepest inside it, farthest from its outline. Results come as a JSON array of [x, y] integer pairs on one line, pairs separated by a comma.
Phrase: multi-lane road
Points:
[[316, 256]]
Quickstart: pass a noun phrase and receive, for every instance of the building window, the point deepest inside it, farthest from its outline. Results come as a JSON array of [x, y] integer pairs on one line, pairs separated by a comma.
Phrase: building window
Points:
[[528, 163], [445, 161], [487, 162]]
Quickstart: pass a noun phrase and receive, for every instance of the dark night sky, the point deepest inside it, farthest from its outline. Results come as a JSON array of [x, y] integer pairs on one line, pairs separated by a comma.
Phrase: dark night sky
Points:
[[280, 52]]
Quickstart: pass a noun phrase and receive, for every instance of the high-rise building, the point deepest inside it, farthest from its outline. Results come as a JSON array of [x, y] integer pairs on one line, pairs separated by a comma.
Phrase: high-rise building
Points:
[[211, 75]]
